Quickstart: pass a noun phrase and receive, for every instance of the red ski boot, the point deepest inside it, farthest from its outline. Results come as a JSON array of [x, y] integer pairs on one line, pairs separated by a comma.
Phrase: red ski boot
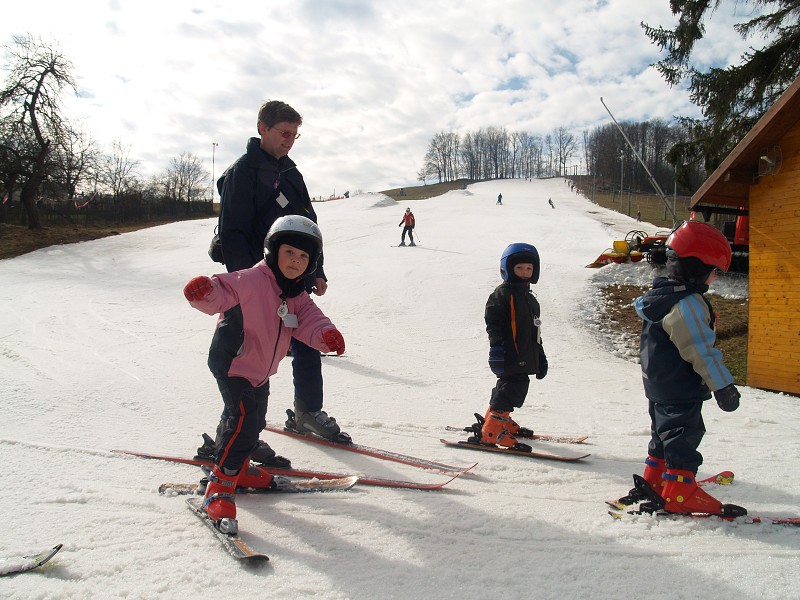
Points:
[[252, 476], [682, 494], [496, 430], [653, 471], [220, 502]]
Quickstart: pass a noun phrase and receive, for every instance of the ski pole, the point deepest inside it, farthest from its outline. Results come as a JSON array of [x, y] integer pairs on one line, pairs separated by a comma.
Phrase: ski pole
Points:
[[415, 233]]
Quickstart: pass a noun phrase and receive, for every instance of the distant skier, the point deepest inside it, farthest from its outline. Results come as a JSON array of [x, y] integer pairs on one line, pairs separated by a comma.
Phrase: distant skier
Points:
[[515, 343], [550, 202], [409, 222], [681, 367], [499, 199]]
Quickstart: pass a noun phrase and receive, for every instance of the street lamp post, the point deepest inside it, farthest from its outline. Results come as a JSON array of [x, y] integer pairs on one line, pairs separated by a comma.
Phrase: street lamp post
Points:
[[213, 156]]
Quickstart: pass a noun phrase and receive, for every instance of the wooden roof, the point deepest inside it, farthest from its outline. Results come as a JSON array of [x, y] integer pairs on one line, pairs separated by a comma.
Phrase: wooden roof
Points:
[[730, 184]]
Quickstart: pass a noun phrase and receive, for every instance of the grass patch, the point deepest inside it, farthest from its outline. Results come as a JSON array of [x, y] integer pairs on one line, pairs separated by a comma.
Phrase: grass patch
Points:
[[421, 192]]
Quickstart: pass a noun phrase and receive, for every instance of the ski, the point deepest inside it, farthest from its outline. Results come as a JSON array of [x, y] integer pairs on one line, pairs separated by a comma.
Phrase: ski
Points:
[[281, 486], [745, 519], [559, 439], [23, 564], [293, 472], [235, 545], [374, 452], [493, 448], [721, 478]]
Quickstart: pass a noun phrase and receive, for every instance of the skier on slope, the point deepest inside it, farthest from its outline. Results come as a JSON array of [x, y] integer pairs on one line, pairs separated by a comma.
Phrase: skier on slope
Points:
[[515, 343], [410, 222], [681, 367], [272, 305]]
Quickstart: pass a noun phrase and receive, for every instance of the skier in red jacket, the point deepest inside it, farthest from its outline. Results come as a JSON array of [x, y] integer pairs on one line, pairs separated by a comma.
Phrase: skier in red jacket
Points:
[[409, 222]]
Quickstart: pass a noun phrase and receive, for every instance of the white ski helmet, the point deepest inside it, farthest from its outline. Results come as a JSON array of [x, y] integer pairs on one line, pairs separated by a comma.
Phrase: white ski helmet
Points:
[[297, 231]]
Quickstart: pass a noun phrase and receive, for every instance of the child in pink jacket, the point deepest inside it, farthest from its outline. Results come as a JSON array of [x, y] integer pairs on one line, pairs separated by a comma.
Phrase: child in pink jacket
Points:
[[261, 309]]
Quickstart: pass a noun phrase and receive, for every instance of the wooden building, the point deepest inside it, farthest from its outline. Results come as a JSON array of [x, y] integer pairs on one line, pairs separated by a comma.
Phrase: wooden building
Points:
[[762, 176]]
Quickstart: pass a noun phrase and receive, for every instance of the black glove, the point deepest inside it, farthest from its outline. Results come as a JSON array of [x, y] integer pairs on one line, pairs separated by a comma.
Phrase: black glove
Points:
[[728, 398], [400, 225], [497, 360], [542, 372]]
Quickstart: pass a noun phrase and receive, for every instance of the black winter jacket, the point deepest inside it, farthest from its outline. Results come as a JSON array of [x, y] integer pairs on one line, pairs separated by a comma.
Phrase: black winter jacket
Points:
[[512, 321], [250, 192]]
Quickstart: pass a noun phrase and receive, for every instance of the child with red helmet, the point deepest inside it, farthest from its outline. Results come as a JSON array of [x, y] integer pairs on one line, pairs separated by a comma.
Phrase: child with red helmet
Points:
[[515, 344], [681, 367]]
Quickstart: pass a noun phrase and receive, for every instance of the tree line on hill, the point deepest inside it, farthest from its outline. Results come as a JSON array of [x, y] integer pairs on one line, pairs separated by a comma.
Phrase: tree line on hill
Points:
[[497, 153]]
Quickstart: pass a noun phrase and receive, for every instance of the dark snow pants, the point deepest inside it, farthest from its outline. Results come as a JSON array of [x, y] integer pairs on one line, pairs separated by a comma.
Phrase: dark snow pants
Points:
[[676, 431], [510, 392], [243, 419], [307, 373]]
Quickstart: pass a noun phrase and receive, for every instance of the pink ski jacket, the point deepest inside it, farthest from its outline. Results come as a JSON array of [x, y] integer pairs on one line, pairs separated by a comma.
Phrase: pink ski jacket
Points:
[[261, 337]]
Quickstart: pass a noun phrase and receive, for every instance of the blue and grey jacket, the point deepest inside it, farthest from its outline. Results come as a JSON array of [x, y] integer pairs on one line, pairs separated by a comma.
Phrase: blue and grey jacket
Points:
[[679, 361]]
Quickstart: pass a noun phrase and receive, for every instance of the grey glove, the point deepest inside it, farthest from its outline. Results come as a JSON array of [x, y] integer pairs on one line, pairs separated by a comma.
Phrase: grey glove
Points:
[[728, 398]]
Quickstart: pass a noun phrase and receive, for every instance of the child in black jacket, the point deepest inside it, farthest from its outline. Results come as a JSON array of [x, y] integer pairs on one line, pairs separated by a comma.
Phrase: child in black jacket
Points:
[[515, 343]]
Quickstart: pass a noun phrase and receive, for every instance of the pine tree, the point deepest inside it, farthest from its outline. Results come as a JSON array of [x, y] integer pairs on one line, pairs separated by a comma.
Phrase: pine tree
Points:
[[731, 99]]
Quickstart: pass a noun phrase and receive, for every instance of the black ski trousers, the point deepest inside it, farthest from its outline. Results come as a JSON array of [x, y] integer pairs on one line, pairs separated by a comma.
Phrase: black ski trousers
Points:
[[510, 392], [676, 431], [245, 417]]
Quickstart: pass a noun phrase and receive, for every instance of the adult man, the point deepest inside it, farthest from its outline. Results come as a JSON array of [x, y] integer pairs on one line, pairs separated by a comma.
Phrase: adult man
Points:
[[262, 185]]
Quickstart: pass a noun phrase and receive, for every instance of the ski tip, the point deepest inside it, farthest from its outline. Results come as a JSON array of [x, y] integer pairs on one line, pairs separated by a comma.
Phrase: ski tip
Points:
[[724, 477]]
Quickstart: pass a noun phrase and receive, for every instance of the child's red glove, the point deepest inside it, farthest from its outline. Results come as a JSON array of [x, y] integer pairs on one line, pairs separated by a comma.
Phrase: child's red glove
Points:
[[197, 288], [334, 340]]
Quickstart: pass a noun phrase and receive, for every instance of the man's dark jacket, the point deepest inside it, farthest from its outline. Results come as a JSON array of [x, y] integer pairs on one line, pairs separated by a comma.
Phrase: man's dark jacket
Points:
[[252, 190]]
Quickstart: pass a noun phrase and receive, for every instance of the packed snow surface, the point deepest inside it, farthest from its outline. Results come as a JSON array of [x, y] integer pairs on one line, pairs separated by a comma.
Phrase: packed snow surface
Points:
[[100, 351]]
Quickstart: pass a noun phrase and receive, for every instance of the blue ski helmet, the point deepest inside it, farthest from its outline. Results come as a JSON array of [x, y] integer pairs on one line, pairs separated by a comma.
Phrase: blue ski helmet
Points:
[[518, 253]]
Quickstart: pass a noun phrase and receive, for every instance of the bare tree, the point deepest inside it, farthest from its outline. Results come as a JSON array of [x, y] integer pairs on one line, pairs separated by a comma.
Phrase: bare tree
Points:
[[442, 156], [76, 160], [470, 156], [564, 146], [117, 170], [551, 154], [497, 152], [187, 178], [31, 115]]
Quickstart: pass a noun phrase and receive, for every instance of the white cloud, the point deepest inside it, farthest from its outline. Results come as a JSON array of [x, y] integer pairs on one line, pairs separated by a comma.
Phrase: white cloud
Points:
[[373, 81]]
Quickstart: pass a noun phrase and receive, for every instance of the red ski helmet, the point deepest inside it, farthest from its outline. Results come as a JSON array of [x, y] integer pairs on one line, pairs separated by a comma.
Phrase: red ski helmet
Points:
[[703, 242]]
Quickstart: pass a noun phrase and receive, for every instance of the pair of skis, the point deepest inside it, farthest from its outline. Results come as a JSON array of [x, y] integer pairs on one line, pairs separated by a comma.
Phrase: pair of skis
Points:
[[429, 464], [322, 481], [326, 481], [233, 543], [474, 443]]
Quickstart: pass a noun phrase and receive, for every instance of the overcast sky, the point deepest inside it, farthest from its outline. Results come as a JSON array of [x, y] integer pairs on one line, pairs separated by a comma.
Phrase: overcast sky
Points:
[[373, 79]]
